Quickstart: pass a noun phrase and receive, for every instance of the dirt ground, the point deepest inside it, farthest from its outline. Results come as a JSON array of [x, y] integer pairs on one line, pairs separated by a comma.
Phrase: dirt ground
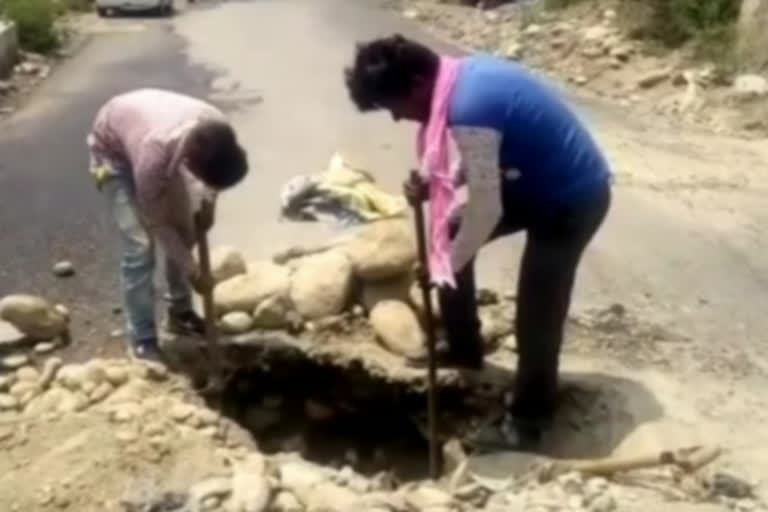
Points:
[[666, 343]]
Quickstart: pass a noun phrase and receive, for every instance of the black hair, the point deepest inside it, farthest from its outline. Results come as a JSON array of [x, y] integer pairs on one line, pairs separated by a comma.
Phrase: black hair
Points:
[[217, 158], [388, 68]]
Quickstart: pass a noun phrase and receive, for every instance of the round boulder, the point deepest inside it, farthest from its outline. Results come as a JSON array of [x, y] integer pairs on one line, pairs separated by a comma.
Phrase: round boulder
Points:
[[322, 285], [37, 318], [236, 322], [398, 328], [382, 250], [244, 292]]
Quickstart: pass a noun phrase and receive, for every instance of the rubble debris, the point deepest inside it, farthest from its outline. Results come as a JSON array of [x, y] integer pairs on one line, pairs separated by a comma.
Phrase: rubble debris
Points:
[[286, 501], [8, 402], [251, 490], [496, 322], [599, 53], [730, 486], [653, 78], [749, 87], [209, 493], [6, 87], [45, 347], [6, 380], [63, 268], [14, 361], [236, 322], [63, 311]]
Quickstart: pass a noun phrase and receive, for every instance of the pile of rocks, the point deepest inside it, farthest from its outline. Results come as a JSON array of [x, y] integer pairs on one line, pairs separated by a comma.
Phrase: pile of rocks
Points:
[[30, 325], [57, 389], [369, 273], [30, 69], [588, 46], [287, 483], [152, 416]]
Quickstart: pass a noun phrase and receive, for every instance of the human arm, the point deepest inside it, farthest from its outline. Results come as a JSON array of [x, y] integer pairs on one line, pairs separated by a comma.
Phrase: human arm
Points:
[[483, 209]]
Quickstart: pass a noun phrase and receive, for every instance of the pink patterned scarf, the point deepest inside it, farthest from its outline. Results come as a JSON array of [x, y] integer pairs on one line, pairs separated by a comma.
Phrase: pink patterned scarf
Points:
[[440, 160]]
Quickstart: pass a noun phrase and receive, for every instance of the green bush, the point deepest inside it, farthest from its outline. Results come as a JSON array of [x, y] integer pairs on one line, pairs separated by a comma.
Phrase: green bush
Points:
[[35, 21]]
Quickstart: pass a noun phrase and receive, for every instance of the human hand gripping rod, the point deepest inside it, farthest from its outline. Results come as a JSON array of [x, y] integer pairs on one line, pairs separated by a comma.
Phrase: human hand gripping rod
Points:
[[435, 452]]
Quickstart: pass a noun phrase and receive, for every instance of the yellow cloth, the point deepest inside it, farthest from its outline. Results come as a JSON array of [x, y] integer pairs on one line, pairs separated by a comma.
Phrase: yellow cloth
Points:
[[366, 200], [356, 189]]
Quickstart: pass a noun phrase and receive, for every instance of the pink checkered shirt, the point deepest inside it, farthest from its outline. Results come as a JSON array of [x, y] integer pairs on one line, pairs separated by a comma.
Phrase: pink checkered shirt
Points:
[[139, 132]]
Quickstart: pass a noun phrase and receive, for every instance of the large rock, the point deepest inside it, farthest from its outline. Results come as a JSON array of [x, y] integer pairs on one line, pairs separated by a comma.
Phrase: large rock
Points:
[[236, 322], [34, 316], [382, 250], [398, 328], [285, 501], [322, 284], [749, 87], [244, 292], [226, 263], [250, 487], [10, 336], [391, 289], [329, 497], [273, 313], [214, 488], [426, 497]]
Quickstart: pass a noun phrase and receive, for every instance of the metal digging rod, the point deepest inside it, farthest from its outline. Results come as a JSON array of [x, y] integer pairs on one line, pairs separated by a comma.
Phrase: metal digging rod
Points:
[[429, 325]]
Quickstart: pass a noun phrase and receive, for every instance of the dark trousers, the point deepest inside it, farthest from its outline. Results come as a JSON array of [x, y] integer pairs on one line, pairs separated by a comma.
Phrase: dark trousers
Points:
[[554, 244]]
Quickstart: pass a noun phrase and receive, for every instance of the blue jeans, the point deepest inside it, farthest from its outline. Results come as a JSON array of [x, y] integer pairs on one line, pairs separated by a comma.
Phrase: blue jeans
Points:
[[138, 262]]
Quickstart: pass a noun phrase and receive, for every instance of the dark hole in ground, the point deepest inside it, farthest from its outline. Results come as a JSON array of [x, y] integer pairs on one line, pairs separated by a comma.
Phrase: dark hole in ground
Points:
[[342, 416]]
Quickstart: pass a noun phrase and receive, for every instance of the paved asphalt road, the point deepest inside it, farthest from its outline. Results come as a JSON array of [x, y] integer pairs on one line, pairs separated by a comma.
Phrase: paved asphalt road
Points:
[[49, 210], [275, 65]]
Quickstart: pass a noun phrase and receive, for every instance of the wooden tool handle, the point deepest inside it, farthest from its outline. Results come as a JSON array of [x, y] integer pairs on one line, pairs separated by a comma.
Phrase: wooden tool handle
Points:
[[688, 459], [435, 453], [204, 257]]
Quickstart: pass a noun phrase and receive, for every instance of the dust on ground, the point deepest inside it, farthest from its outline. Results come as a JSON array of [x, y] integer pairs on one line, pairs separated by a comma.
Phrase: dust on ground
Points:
[[637, 380]]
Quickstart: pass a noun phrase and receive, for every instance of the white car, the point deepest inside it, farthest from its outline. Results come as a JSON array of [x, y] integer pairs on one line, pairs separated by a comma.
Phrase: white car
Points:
[[108, 7]]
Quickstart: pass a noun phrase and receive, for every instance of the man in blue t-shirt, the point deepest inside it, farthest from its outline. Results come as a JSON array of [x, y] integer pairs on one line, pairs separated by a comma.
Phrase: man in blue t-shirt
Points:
[[529, 165]]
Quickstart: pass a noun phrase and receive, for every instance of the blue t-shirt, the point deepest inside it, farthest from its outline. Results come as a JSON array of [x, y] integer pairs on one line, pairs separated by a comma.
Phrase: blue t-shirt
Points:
[[548, 149]]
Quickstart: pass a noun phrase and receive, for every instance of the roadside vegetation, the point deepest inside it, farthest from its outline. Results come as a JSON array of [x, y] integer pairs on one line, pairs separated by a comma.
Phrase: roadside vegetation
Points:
[[36, 21]]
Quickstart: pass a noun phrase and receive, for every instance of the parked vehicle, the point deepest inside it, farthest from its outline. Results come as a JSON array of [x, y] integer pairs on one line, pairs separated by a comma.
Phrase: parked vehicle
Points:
[[160, 7]]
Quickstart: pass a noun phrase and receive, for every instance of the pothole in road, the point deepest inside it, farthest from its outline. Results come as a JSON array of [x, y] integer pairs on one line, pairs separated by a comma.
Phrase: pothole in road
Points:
[[341, 417]]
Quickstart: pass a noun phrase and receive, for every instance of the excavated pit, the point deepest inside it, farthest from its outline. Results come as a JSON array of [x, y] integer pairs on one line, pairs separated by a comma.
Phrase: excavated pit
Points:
[[336, 396], [339, 399]]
